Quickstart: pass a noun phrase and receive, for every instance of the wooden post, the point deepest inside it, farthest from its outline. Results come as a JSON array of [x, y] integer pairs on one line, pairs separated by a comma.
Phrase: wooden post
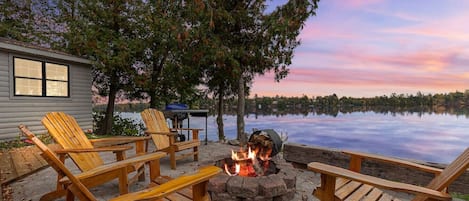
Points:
[[172, 157], [328, 187], [154, 169], [355, 163], [140, 150], [120, 155], [123, 181], [199, 192], [140, 147]]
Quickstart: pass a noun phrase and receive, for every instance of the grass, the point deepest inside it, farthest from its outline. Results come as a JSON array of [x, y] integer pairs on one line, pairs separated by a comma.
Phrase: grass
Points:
[[460, 196], [46, 138], [21, 142]]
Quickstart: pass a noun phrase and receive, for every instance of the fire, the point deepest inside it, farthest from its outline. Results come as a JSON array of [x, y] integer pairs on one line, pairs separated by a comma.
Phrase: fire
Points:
[[246, 163]]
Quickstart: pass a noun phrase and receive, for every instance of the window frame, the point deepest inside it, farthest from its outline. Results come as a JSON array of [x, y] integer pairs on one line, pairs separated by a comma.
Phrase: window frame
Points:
[[43, 78]]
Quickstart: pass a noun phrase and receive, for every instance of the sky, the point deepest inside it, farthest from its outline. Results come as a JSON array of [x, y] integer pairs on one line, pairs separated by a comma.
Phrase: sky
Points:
[[368, 48]]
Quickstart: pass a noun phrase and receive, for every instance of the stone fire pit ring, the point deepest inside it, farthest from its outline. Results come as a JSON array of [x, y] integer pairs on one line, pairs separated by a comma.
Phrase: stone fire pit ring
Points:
[[278, 187]]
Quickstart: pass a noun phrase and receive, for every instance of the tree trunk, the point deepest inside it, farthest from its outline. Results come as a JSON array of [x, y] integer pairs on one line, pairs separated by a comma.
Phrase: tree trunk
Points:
[[240, 113], [221, 133], [109, 116], [157, 69], [152, 92]]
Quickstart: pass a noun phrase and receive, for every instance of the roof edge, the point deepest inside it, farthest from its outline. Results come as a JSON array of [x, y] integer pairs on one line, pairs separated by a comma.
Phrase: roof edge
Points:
[[21, 47]]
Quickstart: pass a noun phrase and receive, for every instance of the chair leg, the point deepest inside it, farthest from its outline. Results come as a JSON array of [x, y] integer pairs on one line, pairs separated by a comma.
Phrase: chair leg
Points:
[[172, 158], [327, 188], [141, 173], [123, 181], [154, 169], [199, 192], [196, 153], [69, 196]]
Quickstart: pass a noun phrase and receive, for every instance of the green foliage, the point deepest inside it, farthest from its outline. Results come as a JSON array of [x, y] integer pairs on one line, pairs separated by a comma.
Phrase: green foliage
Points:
[[243, 41], [21, 142], [121, 126], [168, 70], [452, 99], [460, 196]]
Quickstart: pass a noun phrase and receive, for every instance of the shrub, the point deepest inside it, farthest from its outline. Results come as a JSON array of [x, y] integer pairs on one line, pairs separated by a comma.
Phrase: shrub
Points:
[[121, 126]]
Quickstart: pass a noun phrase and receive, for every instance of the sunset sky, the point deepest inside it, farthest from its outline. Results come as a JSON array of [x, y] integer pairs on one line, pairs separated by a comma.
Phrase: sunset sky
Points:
[[367, 48]]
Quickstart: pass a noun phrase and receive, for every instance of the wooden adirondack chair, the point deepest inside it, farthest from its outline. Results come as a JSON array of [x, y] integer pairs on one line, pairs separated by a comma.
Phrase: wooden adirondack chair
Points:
[[68, 134], [77, 185], [342, 184], [164, 138]]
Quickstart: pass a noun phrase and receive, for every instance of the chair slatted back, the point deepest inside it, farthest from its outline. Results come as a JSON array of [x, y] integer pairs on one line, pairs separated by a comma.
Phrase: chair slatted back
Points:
[[451, 172], [156, 122], [66, 132], [55, 163], [448, 175]]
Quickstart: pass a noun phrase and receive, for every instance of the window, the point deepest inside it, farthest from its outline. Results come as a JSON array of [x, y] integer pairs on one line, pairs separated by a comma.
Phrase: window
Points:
[[39, 78]]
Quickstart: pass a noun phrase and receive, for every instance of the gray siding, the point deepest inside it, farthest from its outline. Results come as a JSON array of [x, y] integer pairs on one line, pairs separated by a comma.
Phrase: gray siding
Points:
[[30, 110]]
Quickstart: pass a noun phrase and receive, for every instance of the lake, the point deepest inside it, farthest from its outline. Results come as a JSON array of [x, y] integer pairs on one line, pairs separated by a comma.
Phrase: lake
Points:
[[428, 137]]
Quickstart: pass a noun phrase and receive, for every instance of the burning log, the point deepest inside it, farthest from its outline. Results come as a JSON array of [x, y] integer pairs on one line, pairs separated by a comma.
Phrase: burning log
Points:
[[255, 161], [266, 143]]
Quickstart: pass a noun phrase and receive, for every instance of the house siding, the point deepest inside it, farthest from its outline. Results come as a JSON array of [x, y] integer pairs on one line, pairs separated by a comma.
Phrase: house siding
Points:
[[15, 110]]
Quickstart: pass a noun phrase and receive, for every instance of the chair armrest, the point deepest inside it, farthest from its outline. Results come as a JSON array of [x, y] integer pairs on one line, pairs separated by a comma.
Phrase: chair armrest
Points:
[[99, 149], [118, 165], [160, 133], [358, 156], [333, 171], [171, 186]]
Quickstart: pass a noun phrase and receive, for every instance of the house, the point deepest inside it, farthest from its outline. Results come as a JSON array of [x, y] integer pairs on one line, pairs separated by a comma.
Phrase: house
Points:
[[36, 80]]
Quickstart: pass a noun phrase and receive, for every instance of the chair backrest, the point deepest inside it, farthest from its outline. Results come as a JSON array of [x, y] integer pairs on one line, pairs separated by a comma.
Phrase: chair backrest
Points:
[[451, 172], [68, 134], [55, 163], [156, 122], [448, 175]]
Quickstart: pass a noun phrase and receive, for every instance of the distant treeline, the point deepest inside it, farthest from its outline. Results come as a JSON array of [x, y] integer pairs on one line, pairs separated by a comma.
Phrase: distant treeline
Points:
[[454, 103], [453, 99]]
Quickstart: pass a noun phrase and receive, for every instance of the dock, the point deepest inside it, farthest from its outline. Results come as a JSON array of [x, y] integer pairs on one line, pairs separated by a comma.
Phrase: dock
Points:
[[19, 162]]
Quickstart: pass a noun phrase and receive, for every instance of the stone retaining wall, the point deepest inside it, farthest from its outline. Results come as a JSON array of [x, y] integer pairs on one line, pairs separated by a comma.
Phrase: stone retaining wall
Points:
[[304, 154]]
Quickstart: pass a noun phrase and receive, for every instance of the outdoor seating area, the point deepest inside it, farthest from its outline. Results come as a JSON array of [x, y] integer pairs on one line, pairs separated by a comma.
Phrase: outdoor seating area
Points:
[[77, 185], [342, 184], [293, 100], [165, 138], [74, 143], [85, 169]]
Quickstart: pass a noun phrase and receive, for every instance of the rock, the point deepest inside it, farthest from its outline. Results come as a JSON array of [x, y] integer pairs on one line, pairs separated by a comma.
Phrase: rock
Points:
[[234, 142]]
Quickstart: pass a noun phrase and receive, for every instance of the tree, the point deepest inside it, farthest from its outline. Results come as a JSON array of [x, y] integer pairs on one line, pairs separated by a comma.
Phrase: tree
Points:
[[251, 43], [31, 21], [105, 32], [169, 71]]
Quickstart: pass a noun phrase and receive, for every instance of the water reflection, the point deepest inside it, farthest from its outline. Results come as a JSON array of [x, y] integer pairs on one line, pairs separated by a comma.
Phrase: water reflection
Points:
[[429, 136]]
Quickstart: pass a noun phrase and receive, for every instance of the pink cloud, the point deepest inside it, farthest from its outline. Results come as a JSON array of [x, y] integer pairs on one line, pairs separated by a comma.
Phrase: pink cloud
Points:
[[420, 61], [316, 31], [450, 28], [367, 48], [355, 83]]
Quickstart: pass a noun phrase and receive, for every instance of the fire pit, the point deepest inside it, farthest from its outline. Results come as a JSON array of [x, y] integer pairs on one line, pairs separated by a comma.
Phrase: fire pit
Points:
[[255, 173]]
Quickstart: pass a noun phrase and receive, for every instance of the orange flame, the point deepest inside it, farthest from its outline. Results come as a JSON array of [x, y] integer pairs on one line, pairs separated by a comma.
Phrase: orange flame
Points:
[[237, 157]]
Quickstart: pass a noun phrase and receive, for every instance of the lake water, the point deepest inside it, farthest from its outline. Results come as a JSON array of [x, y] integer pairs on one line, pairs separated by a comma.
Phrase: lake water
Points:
[[429, 137]]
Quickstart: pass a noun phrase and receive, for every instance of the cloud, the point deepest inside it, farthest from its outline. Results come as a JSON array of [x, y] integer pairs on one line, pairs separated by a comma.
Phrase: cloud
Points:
[[376, 47]]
